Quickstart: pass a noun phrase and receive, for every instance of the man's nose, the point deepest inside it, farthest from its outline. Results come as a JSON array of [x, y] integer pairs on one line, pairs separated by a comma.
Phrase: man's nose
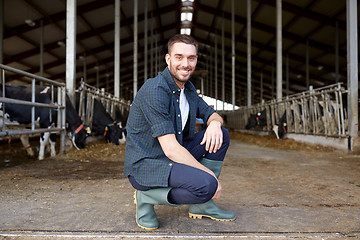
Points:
[[185, 62]]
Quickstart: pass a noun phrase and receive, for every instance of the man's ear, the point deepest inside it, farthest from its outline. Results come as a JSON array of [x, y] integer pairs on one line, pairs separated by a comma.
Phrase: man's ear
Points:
[[167, 58]]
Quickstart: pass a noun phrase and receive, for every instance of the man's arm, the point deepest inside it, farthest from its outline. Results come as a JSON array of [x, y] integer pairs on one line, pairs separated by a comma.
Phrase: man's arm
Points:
[[177, 153], [213, 137]]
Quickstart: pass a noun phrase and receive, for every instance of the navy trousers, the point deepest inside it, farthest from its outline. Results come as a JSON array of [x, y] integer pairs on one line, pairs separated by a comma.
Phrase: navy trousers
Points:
[[191, 185]]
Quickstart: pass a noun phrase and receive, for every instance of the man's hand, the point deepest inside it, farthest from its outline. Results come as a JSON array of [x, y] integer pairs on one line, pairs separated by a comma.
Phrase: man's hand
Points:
[[213, 137]]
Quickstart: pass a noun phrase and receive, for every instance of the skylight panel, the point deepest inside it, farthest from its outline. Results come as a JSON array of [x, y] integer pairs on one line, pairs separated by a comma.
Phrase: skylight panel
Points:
[[185, 31], [186, 16]]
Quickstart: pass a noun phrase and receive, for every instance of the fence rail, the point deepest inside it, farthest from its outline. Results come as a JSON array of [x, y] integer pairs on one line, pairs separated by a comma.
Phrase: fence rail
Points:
[[7, 128], [319, 111]]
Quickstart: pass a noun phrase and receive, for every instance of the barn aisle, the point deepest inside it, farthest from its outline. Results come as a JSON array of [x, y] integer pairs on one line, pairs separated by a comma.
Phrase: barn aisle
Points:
[[306, 193]]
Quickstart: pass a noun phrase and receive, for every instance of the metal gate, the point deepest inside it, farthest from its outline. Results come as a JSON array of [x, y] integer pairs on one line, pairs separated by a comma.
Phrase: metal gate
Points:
[[320, 112], [58, 104]]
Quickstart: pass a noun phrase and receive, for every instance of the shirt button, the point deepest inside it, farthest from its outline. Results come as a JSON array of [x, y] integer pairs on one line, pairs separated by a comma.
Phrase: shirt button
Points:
[[177, 100], [173, 91], [178, 115], [179, 133], [170, 164]]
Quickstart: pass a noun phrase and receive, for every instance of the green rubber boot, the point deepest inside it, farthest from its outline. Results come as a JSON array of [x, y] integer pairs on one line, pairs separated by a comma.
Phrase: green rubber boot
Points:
[[145, 200], [209, 209]]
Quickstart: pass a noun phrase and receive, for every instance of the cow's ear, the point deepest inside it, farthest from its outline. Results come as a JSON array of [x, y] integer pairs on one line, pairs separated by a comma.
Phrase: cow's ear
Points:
[[87, 129]]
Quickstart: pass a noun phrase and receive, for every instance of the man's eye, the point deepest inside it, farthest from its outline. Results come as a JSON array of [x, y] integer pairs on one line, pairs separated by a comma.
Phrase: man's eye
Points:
[[178, 58]]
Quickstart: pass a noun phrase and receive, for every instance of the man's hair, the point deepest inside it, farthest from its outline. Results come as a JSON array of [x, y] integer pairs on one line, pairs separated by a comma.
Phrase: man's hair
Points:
[[184, 38]]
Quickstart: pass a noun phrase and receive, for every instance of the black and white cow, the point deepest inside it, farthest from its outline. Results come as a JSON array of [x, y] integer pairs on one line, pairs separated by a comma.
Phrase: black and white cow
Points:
[[121, 120], [102, 122], [280, 128], [257, 120], [45, 117]]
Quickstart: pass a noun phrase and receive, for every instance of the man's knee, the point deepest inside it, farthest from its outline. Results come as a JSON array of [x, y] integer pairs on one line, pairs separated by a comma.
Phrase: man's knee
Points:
[[208, 189], [226, 135]]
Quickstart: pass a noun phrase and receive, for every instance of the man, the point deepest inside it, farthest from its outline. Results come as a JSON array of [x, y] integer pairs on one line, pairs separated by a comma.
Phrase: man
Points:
[[165, 161]]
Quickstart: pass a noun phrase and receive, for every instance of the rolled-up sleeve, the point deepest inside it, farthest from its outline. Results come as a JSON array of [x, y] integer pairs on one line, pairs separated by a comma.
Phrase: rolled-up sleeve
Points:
[[156, 110], [204, 111]]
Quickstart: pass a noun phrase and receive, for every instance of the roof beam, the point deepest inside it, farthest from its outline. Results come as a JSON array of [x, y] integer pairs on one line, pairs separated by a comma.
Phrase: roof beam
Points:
[[267, 28]]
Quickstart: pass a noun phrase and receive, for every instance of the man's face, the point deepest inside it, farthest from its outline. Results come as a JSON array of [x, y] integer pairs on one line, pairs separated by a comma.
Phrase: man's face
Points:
[[181, 61]]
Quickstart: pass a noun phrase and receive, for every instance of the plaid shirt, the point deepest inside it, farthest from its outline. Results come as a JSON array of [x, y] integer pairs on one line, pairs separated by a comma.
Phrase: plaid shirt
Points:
[[155, 112]]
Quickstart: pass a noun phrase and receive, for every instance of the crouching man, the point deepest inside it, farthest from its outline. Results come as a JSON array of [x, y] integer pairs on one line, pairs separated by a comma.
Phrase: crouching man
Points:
[[165, 160]]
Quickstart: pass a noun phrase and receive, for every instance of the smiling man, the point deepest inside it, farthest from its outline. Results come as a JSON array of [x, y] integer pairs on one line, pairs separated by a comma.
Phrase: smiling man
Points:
[[165, 160]]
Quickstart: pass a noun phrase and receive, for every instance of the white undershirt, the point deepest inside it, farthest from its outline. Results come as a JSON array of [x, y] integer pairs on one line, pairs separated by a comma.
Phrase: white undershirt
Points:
[[184, 108]]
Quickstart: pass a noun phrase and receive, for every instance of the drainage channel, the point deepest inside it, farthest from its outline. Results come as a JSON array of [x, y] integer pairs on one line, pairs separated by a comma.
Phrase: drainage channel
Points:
[[40, 235]]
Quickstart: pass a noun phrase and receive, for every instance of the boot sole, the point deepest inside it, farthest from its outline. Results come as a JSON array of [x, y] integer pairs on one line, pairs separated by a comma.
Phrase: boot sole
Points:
[[136, 216], [199, 216]]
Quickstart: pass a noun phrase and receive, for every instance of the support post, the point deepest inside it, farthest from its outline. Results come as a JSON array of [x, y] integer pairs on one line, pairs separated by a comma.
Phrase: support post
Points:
[[97, 77], [41, 48], [152, 47], [249, 53], [223, 61], [287, 74], [216, 72], [307, 65], [261, 87], [233, 52], [135, 47], [146, 40], [71, 48], [337, 52], [117, 50], [352, 66], [278, 49], [1, 32]]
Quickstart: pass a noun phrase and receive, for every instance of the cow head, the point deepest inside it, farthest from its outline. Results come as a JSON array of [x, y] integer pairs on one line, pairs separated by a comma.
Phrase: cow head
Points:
[[113, 133], [258, 119], [79, 136], [123, 132], [280, 131], [251, 121]]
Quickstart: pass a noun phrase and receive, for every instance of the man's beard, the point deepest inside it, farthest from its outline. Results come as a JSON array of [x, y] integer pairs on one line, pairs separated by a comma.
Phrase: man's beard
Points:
[[180, 80]]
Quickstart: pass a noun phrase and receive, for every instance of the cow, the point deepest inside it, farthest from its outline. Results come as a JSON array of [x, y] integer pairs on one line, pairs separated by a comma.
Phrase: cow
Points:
[[258, 119], [280, 128], [45, 117], [121, 119], [102, 122]]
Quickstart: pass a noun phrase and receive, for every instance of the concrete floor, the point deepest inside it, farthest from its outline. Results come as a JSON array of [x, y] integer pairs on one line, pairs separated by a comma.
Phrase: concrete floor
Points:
[[276, 194]]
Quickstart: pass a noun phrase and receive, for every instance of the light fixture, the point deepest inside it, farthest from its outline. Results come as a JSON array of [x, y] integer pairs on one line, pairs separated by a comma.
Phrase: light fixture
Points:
[[30, 22], [186, 16], [186, 31]]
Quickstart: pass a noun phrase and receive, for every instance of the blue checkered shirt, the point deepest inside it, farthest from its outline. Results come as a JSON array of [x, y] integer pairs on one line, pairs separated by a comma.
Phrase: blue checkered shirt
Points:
[[155, 112]]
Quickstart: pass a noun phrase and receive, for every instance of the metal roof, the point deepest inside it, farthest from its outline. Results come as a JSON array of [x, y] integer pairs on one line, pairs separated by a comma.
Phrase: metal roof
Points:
[[305, 23]]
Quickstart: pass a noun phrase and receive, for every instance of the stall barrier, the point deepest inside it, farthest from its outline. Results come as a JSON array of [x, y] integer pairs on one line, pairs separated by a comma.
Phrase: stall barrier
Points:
[[87, 95], [58, 104], [320, 111]]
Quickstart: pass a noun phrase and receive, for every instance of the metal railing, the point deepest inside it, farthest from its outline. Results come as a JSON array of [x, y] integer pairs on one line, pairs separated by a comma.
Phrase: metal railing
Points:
[[88, 93], [320, 111], [58, 104]]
